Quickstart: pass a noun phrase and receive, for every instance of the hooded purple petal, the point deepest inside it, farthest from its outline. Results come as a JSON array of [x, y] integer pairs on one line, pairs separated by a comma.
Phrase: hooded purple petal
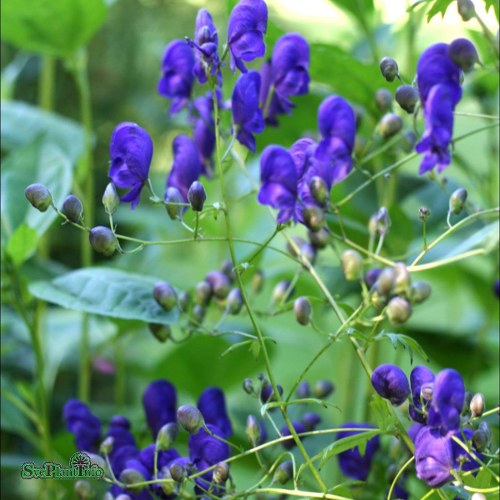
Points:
[[160, 405], [212, 405], [419, 376], [85, 426], [336, 119], [391, 383], [205, 46]]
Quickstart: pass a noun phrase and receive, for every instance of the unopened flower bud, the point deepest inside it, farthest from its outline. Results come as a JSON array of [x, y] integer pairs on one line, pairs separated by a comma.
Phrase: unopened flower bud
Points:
[[227, 269], [190, 418], [389, 125], [107, 446], [303, 390], [319, 189], [477, 405], [305, 249], [234, 301], [281, 290], [407, 97], [97, 460], [383, 98], [314, 217], [166, 436], [463, 53], [183, 300], [72, 208], [248, 386], [83, 489], [466, 9], [257, 281], [398, 310], [385, 281], [202, 293], [402, 279], [284, 472], [419, 291], [221, 473], [457, 200], [172, 199], [389, 68], [131, 477], [197, 196], [161, 332], [219, 284], [480, 440], [302, 310], [319, 239], [178, 472], [165, 295], [352, 265], [323, 388], [103, 240], [39, 196], [267, 394], [371, 276], [408, 141], [424, 213], [380, 222], [110, 199], [310, 420], [198, 314], [253, 430], [427, 391]]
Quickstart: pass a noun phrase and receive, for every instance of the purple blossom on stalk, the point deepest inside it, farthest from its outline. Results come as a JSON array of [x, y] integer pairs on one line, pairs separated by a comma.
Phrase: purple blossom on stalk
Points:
[[391, 383], [246, 29], [81, 422], [177, 78], [205, 46], [160, 405], [187, 165], [247, 116], [131, 150], [212, 405], [204, 128]]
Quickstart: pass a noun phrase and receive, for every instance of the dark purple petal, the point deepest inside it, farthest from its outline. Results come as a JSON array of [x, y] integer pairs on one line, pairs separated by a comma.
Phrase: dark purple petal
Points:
[[462, 459], [299, 428], [160, 405], [165, 457], [336, 119], [120, 455], [391, 383], [204, 128], [266, 80], [85, 426], [205, 448], [419, 376], [302, 152], [205, 46], [213, 408]]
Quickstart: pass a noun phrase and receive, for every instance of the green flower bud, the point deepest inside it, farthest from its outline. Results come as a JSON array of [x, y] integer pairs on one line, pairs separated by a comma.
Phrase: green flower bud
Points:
[[72, 208], [107, 446], [161, 332], [477, 405], [169, 488], [380, 222], [402, 279], [389, 68], [198, 314], [408, 141], [248, 386], [219, 284], [398, 310], [457, 200], [419, 291], [424, 213], [480, 440], [174, 196], [221, 473], [302, 310], [130, 477], [234, 301], [323, 388], [190, 418], [281, 290], [110, 199], [352, 265], [319, 190], [389, 125], [319, 239], [383, 98], [257, 281], [314, 217], [103, 240], [227, 269], [83, 489], [202, 293], [385, 281], [183, 300], [466, 9], [178, 472], [197, 196], [39, 196], [378, 301], [166, 436], [284, 472], [253, 430], [165, 295], [407, 97]]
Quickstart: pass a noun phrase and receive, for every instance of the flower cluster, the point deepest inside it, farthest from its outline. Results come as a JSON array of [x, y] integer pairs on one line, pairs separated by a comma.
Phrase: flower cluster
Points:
[[208, 425]]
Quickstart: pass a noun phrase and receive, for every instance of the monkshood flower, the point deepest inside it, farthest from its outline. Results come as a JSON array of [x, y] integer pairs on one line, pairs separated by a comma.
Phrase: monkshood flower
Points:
[[391, 383], [246, 29], [160, 404], [212, 405], [351, 463], [337, 125], [85, 426], [420, 376], [204, 128], [205, 46], [123, 446], [177, 74], [247, 116], [131, 150], [187, 166]]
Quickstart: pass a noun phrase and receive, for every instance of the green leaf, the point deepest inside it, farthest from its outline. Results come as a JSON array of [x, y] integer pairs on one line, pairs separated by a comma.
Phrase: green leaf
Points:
[[406, 342], [22, 245], [495, 5], [360, 9], [107, 292], [383, 418], [487, 237], [51, 27], [439, 7], [348, 443], [37, 162]]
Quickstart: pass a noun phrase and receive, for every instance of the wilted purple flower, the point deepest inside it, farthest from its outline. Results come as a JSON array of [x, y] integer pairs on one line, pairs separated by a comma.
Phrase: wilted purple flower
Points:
[[204, 128], [177, 74], [337, 124], [160, 404], [131, 150], [391, 383], [187, 166], [85, 426], [419, 376], [247, 116], [246, 29], [351, 463], [299, 428], [212, 405], [205, 46]]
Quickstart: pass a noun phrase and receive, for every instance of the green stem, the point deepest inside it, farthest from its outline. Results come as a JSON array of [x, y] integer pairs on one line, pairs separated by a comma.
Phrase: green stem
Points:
[[120, 386], [47, 79]]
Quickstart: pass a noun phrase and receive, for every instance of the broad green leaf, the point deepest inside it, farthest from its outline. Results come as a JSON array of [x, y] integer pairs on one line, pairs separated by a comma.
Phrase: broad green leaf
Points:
[[406, 342], [37, 162], [51, 27], [439, 7], [107, 292], [360, 9], [22, 245], [22, 123]]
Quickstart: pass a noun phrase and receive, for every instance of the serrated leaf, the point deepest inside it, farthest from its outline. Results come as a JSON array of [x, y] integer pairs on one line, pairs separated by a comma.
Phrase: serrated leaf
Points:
[[22, 245], [406, 342], [439, 7], [107, 292], [383, 418]]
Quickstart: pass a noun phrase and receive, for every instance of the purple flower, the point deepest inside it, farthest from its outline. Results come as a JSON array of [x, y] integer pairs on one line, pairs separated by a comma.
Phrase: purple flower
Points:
[[187, 166], [278, 176], [351, 463], [212, 405], [146, 456], [205, 46], [131, 150], [246, 29], [337, 124], [177, 74], [285, 431], [247, 116], [160, 404], [461, 457], [85, 426], [204, 128], [391, 383], [419, 376]]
